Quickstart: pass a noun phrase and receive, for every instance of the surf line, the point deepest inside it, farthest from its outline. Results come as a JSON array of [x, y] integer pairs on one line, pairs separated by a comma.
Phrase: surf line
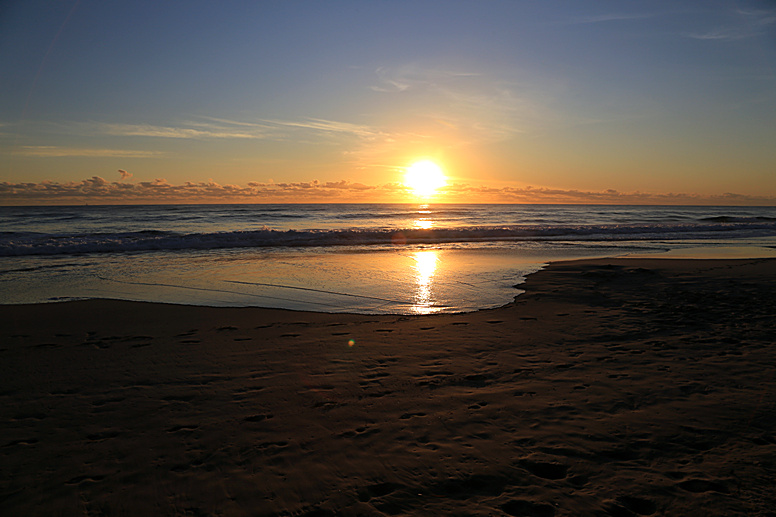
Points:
[[318, 291]]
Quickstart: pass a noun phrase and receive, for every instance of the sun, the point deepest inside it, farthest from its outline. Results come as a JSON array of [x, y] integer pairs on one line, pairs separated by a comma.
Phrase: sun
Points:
[[424, 178]]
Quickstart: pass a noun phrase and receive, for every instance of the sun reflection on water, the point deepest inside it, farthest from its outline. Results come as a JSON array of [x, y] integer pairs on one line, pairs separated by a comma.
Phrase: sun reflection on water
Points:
[[424, 221], [425, 266]]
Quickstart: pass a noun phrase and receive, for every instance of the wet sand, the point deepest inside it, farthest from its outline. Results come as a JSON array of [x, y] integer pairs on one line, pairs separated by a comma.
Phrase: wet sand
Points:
[[611, 387]]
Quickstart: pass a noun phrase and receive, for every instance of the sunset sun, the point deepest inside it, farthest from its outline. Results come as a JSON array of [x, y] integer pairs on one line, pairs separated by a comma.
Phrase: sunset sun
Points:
[[424, 178]]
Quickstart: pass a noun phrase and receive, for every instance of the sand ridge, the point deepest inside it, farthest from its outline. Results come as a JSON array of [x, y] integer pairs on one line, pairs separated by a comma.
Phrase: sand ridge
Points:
[[611, 387]]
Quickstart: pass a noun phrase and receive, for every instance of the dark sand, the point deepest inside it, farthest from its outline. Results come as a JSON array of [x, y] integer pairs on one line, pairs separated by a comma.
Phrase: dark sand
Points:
[[612, 387]]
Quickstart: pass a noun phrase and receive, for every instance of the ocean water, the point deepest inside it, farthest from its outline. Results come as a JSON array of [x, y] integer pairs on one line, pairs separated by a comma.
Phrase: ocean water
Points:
[[367, 258]]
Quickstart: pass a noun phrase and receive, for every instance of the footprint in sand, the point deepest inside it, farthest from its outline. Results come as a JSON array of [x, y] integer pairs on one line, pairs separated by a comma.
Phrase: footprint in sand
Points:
[[637, 505], [83, 479], [523, 507], [545, 470], [48, 345], [258, 418], [378, 490], [764, 439], [23, 441], [103, 401], [25, 416], [376, 375], [478, 405], [360, 432], [104, 435], [471, 486], [182, 427], [701, 485]]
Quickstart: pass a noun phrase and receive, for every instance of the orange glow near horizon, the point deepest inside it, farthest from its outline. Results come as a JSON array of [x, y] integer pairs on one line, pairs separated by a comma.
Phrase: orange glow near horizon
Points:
[[424, 178]]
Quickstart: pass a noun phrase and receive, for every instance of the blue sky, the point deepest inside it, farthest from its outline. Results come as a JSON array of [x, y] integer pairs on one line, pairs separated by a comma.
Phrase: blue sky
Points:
[[275, 100]]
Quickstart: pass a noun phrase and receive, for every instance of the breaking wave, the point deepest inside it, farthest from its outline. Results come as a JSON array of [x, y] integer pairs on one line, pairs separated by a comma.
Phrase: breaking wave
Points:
[[33, 243]]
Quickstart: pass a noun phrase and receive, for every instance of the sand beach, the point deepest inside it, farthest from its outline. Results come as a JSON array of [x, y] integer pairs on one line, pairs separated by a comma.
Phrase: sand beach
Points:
[[610, 387]]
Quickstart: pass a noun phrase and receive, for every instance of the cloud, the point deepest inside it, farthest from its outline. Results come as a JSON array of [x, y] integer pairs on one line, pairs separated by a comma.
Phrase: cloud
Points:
[[531, 194], [412, 76], [124, 174], [97, 190], [328, 126], [212, 128], [482, 107], [610, 17], [50, 151], [353, 138], [218, 128], [724, 34], [202, 132], [748, 24]]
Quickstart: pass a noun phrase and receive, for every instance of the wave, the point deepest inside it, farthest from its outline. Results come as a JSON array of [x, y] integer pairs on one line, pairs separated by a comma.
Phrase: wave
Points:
[[29, 243], [736, 219]]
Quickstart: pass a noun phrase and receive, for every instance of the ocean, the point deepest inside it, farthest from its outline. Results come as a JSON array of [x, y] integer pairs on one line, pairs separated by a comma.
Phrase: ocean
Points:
[[365, 258]]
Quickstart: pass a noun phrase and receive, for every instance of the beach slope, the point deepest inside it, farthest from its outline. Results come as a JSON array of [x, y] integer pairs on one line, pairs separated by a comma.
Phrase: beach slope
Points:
[[611, 387]]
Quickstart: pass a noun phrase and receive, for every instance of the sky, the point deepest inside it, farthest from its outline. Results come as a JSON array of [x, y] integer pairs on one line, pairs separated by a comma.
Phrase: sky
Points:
[[279, 101]]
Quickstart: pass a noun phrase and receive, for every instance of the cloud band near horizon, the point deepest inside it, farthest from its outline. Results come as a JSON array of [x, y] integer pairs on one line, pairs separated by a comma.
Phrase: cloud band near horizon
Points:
[[97, 190]]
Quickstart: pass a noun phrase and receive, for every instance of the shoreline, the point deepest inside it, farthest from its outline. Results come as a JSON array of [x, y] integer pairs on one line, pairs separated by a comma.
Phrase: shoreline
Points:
[[392, 281], [624, 386]]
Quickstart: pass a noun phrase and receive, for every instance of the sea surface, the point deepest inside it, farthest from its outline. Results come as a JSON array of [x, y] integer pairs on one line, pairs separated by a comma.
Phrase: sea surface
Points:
[[366, 258]]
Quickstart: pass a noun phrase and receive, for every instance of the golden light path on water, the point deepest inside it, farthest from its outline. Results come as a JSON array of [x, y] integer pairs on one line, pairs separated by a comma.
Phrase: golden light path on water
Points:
[[425, 266], [424, 220]]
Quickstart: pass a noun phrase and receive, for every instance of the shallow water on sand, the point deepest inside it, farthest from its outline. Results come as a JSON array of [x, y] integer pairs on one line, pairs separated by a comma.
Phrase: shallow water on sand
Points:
[[375, 259], [408, 280], [389, 280]]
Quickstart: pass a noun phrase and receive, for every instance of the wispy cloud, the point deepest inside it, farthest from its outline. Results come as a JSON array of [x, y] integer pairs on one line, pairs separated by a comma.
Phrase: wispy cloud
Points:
[[327, 126], [147, 130], [481, 106], [413, 76], [748, 24], [98, 190], [531, 194], [759, 17], [609, 17], [219, 128], [48, 151], [354, 139], [724, 34]]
